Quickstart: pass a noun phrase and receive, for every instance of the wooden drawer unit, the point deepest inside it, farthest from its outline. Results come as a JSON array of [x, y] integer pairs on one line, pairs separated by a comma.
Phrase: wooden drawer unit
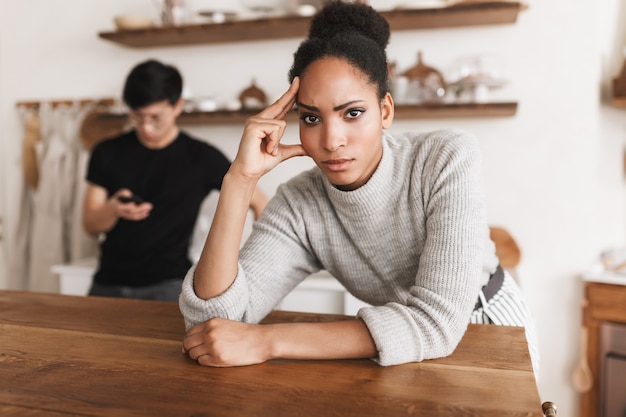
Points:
[[602, 303], [605, 302]]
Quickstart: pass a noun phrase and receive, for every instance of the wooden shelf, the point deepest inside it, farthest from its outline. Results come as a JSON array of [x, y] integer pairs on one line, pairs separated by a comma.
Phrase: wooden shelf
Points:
[[405, 112], [457, 15], [455, 110]]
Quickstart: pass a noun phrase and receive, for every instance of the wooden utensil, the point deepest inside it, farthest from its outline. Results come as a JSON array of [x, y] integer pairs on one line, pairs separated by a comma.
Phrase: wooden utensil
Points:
[[96, 127], [507, 251], [582, 378], [32, 136]]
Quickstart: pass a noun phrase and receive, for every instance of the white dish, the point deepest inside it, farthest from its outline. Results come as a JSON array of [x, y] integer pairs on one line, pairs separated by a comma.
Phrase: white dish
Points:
[[219, 16], [423, 4], [206, 104]]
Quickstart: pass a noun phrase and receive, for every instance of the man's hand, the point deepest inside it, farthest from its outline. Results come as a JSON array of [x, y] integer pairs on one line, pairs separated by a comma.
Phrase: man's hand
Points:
[[129, 210]]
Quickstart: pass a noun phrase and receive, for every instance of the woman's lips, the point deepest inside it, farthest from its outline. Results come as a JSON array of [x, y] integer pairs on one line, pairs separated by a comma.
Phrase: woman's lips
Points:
[[337, 164]]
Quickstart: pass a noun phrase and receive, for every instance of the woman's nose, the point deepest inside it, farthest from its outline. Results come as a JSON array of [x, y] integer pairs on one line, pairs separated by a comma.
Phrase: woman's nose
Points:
[[334, 137]]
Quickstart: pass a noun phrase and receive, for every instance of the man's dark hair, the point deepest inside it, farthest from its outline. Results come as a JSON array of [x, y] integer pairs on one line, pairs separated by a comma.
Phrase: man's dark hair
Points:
[[150, 82]]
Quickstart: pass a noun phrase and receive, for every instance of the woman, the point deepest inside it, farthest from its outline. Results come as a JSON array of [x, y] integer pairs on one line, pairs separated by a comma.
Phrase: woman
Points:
[[399, 221]]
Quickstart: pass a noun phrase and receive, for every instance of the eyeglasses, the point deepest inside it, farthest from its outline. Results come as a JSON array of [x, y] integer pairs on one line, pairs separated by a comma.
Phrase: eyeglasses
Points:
[[154, 120]]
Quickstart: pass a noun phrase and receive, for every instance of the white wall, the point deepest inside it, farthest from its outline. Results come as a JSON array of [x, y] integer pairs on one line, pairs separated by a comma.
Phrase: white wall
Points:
[[3, 196], [553, 172]]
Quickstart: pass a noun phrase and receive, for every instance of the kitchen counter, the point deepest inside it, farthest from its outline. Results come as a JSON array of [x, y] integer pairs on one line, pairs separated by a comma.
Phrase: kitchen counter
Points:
[[600, 275], [88, 356]]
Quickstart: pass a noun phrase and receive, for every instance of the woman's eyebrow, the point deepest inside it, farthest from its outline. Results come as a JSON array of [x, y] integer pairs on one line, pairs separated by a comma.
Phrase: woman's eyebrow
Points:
[[336, 108], [306, 106]]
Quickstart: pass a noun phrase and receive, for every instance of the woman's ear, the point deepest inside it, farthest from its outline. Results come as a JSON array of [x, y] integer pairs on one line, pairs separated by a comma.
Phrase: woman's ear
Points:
[[387, 111]]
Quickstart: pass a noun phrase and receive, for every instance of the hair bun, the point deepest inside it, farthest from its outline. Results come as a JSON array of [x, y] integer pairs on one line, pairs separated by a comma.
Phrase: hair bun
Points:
[[337, 17]]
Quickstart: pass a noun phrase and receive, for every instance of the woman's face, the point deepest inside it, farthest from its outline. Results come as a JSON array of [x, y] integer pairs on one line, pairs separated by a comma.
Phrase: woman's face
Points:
[[341, 121]]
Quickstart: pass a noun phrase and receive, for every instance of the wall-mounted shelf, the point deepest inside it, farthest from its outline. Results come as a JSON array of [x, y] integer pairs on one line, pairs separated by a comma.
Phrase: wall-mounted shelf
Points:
[[460, 14], [455, 110], [457, 15], [403, 112]]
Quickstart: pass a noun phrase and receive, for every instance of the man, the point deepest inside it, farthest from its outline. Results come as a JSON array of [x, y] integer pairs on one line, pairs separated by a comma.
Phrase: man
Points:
[[145, 188]]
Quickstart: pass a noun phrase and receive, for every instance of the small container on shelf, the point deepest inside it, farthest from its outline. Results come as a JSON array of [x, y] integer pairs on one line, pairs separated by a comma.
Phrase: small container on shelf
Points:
[[174, 13], [472, 78], [265, 8], [253, 98], [218, 16], [132, 22], [206, 104], [425, 84]]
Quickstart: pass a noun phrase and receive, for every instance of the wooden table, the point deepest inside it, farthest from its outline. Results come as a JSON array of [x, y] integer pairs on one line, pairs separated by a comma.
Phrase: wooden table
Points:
[[89, 356]]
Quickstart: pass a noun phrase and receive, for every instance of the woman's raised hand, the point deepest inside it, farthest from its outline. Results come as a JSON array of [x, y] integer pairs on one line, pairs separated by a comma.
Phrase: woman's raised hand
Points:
[[260, 149]]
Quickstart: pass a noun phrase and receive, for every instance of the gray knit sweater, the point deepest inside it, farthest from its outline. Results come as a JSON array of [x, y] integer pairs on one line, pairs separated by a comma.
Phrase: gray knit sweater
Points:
[[413, 242]]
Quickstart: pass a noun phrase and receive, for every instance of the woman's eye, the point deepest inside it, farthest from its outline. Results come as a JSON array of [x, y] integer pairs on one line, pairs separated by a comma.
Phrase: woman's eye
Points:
[[354, 113], [309, 119]]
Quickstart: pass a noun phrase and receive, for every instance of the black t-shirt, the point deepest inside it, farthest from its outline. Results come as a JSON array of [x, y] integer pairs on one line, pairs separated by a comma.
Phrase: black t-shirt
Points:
[[175, 179]]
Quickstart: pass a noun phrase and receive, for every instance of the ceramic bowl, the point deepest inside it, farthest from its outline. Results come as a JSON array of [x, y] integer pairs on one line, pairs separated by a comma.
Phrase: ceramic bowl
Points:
[[131, 22]]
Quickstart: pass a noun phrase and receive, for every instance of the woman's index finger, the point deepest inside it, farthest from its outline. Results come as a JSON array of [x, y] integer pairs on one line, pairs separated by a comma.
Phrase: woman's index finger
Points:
[[282, 106]]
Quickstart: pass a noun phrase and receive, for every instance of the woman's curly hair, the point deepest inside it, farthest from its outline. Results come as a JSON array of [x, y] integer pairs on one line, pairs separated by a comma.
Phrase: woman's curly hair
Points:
[[351, 31]]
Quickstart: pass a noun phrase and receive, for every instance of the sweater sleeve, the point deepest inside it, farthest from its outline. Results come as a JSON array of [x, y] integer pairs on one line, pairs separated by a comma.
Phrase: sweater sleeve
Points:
[[451, 265], [273, 261], [226, 305]]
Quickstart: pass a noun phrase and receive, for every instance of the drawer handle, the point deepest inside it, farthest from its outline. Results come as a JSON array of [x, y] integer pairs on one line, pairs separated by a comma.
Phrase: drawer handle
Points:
[[549, 409]]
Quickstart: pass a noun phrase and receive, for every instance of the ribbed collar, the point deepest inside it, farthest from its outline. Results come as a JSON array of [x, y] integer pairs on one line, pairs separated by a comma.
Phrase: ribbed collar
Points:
[[376, 195]]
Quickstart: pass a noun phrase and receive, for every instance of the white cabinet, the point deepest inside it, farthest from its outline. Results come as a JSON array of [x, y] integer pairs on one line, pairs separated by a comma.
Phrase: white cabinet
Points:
[[75, 278], [319, 293]]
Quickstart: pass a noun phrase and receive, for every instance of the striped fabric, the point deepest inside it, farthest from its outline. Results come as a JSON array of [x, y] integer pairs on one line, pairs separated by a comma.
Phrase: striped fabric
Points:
[[507, 308]]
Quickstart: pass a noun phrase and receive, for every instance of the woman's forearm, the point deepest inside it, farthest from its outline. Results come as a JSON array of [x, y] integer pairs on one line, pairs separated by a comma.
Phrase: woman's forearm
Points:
[[333, 340], [259, 152], [221, 342], [217, 267], [258, 203]]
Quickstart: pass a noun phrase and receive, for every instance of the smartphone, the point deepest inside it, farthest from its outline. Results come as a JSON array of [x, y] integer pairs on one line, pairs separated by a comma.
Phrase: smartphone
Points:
[[132, 199]]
